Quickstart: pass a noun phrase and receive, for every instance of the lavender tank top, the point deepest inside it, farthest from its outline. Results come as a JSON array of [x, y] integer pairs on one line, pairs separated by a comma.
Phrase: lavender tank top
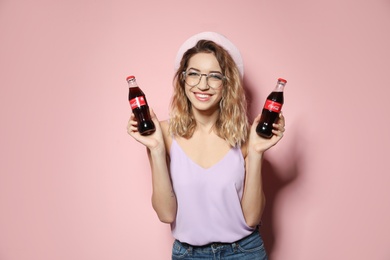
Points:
[[209, 208]]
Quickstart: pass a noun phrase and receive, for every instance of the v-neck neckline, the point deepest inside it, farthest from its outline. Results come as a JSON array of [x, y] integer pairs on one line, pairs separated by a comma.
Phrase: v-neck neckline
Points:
[[200, 166]]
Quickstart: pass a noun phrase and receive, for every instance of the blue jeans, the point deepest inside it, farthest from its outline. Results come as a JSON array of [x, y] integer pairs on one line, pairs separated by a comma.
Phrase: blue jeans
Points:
[[248, 248]]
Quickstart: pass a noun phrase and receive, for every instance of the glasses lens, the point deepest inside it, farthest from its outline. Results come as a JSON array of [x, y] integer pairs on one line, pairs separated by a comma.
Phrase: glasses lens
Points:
[[192, 78], [214, 79]]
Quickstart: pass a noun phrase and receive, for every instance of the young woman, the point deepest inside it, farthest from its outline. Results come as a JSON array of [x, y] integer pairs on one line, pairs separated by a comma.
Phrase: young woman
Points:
[[206, 159]]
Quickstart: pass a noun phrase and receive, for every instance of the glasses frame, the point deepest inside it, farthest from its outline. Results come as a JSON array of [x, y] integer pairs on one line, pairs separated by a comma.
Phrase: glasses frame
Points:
[[207, 79]]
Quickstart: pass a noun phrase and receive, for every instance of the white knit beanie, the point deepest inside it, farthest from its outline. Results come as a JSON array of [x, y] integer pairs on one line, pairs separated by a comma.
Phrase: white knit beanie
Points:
[[217, 38]]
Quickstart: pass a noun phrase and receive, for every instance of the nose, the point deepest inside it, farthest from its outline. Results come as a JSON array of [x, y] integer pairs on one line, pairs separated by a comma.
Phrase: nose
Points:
[[203, 85]]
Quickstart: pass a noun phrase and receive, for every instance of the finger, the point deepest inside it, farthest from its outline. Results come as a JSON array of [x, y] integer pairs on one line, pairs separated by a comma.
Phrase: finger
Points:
[[132, 121], [131, 129], [132, 125], [281, 119], [132, 117], [279, 127], [153, 116], [278, 134], [280, 124]]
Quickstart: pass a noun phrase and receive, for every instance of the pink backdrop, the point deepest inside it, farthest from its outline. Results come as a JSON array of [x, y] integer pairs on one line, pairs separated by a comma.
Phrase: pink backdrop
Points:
[[74, 185]]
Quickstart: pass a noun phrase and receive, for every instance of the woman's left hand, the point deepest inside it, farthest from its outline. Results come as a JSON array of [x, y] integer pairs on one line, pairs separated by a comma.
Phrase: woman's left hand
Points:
[[260, 144]]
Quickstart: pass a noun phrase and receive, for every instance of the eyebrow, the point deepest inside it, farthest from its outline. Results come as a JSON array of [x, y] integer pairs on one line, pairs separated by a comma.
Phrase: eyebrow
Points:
[[212, 71]]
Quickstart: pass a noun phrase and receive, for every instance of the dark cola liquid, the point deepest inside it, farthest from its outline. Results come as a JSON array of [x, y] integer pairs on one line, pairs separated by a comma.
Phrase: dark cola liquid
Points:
[[268, 115], [140, 109]]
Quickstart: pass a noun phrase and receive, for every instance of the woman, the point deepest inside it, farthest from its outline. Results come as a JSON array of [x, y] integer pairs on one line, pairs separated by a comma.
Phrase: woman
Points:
[[206, 159]]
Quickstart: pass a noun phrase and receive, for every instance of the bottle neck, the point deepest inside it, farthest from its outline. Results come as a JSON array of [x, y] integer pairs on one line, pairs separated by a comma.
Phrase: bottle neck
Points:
[[132, 83], [280, 86]]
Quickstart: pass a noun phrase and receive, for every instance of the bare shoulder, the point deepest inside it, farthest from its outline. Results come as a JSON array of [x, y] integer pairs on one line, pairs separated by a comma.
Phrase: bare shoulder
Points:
[[165, 131]]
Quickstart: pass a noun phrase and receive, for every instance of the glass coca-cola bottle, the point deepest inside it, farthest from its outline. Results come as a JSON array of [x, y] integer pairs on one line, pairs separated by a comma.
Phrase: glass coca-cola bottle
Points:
[[272, 107], [140, 107]]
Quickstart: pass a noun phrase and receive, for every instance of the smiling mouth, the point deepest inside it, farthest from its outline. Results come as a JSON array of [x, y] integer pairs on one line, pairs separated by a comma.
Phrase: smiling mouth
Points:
[[202, 96]]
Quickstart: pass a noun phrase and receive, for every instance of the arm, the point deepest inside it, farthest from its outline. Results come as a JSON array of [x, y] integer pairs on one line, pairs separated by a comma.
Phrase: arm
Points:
[[253, 199], [163, 197]]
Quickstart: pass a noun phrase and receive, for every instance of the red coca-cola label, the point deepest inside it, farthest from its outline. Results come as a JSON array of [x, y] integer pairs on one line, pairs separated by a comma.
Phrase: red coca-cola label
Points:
[[137, 102], [273, 106]]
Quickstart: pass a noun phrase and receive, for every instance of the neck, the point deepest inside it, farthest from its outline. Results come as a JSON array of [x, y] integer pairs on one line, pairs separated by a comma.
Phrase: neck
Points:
[[206, 119]]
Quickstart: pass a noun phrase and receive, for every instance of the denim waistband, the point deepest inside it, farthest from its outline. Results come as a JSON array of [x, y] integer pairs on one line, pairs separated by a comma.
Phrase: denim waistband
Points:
[[215, 245]]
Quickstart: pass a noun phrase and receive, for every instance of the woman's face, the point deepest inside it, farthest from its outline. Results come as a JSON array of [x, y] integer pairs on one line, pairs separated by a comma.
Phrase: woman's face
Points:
[[202, 96]]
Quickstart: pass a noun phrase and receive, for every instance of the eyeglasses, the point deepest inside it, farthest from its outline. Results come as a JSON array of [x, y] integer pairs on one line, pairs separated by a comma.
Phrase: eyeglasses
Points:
[[214, 79]]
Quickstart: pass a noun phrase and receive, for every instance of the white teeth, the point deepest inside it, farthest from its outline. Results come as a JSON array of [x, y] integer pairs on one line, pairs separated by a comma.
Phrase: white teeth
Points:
[[202, 95]]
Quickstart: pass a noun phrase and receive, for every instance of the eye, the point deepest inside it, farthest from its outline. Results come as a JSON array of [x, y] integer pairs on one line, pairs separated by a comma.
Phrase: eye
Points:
[[193, 74], [215, 76]]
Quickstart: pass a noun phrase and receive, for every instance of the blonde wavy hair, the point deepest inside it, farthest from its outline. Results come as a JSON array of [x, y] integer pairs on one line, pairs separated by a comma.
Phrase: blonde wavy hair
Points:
[[232, 123]]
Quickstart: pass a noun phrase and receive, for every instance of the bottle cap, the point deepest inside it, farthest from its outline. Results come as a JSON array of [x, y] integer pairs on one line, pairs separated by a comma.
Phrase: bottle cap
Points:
[[130, 78], [282, 80]]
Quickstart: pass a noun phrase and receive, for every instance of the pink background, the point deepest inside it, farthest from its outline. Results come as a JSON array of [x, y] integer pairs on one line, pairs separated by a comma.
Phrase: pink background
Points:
[[74, 185]]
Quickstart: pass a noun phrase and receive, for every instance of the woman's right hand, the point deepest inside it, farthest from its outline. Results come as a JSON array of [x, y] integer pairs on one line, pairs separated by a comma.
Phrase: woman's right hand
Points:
[[153, 141]]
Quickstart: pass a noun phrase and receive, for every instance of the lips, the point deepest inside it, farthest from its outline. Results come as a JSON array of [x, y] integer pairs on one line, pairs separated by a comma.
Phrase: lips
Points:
[[202, 96]]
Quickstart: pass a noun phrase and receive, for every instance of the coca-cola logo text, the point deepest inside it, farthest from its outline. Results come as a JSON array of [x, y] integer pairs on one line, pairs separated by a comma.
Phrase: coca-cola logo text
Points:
[[273, 106], [137, 102]]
